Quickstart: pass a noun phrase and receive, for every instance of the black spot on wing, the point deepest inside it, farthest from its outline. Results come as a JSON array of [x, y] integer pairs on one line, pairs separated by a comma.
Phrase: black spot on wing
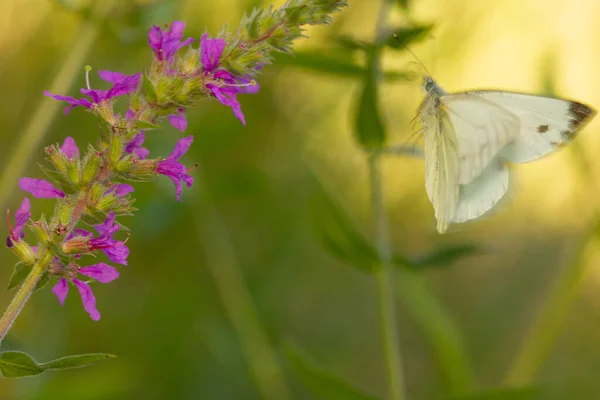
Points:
[[543, 128]]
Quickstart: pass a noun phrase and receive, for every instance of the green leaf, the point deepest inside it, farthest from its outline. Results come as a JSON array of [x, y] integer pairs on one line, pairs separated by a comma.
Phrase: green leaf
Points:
[[16, 364], [338, 234], [438, 258], [20, 273], [43, 281], [336, 66], [145, 125], [18, 276], [369, 128], [322, 383], [405, 36], [526, 393], [77, 361]]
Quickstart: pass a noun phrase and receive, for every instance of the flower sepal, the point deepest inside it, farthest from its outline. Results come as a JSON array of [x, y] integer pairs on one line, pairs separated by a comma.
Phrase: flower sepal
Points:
[[42, 231], [149, 90]]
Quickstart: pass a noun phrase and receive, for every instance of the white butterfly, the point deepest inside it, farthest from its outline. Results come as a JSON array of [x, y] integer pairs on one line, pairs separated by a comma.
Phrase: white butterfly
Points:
[[470, 136]]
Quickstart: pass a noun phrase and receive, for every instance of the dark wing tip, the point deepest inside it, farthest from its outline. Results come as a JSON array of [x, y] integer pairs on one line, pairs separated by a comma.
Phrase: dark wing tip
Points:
[[580, 114]]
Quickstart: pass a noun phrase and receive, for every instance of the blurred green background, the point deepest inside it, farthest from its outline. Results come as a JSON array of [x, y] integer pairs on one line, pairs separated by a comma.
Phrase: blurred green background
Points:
[[166, 317]]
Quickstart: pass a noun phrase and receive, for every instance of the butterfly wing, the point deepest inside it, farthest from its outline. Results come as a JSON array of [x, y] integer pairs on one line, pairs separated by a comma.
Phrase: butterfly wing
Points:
[[545, 122], [441, 161], [481, 194], [483, 128]]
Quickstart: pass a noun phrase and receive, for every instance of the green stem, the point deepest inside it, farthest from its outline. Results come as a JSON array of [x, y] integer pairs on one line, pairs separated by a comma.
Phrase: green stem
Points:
[[544, 331], [238, 302], [440, 331], [23, 294], [42, 117], [385, 285]]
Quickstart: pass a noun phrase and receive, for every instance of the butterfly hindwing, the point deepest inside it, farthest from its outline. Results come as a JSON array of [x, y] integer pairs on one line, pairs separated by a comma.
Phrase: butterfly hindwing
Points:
[[481, 194], [546, 123]]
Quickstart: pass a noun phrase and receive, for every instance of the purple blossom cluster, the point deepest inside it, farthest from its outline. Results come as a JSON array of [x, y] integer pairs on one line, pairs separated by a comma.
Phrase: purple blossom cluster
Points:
[[90, 187]]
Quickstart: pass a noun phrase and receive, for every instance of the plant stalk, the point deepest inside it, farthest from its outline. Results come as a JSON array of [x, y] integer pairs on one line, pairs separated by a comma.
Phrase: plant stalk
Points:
[[385, 285], [23, 293]]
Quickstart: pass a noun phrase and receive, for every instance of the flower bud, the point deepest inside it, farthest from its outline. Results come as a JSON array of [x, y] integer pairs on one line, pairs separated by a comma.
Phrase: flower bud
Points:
[[23, 251], [116, 148], [76, 245], [190, 62], [74, 171], [57, 158], [63, 213], [91, 167]]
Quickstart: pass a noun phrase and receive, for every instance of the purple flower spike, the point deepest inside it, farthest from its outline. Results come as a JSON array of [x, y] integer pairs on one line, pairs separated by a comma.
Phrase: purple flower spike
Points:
[[88, 299], [166, 43], [40, 188], [69, 148], [61, 289], [121, 189], [178, 120], [101, 272], [135, 146], [22, 215], [173, 169]]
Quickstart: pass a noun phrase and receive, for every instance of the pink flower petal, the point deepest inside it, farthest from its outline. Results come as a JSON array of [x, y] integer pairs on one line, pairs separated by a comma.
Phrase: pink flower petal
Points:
[[40, 188], [69, 148], [101, 272], [61, 289], [88, 299]]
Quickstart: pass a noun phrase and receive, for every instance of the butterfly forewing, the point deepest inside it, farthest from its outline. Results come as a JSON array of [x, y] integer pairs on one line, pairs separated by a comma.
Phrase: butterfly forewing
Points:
[[546, 123], [482, 130]]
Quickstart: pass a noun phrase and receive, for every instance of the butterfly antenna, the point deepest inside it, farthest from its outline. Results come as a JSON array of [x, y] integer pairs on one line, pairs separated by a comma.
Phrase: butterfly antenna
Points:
[[415, 57]]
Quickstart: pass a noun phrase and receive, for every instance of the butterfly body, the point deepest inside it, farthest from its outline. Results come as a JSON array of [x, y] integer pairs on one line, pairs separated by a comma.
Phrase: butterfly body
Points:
[[470, 137]]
